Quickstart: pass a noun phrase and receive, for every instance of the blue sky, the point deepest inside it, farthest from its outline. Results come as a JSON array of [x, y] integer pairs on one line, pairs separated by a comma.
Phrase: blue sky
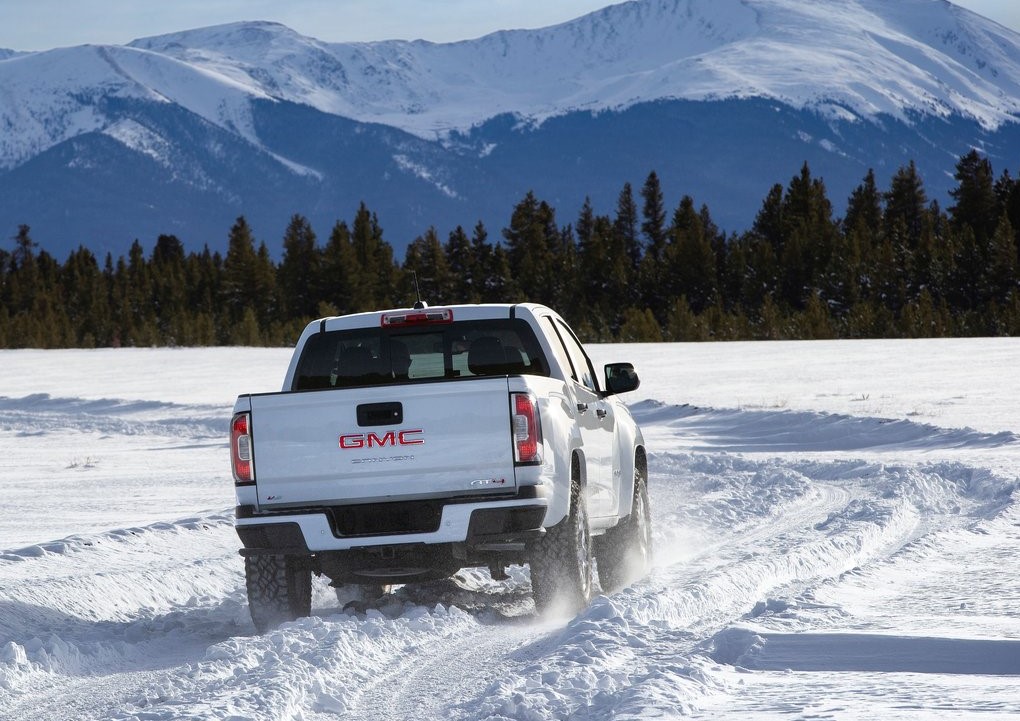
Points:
[[44, 24]]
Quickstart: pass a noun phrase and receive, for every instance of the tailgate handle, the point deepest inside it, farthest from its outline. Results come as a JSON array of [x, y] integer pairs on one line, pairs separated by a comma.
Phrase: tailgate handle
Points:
[[380, 414]]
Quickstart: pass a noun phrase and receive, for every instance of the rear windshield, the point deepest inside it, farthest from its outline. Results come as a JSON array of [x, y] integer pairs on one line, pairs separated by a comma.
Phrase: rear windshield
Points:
[[381, 356]]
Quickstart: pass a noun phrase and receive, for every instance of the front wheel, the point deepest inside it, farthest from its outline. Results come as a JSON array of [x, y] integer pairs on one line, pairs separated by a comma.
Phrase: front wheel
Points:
[[561, 562], [624, 553], [279, 589]]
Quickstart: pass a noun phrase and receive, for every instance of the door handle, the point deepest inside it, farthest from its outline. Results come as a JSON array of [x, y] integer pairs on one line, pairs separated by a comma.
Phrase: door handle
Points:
[[601, 413], [582, 407]]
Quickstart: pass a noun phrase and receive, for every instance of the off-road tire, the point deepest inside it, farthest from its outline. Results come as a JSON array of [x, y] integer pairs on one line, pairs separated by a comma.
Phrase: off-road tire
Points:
[[562, 573], [624, 552], [279, 589]]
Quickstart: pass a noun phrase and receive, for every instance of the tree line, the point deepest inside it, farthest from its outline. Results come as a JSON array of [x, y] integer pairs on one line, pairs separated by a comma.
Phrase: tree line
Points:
[[895, 265]]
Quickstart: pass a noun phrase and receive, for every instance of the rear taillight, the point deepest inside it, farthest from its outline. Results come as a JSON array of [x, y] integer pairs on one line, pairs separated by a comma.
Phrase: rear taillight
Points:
[[527, 429], [240, 448]]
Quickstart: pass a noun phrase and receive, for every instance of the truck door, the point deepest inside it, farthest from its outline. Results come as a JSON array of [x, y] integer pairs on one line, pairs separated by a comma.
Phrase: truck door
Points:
[[596, 422]]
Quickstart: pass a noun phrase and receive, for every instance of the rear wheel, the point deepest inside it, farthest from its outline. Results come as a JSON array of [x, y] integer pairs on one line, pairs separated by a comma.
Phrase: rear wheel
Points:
[[624, 553], [561, 562], [279, 589]]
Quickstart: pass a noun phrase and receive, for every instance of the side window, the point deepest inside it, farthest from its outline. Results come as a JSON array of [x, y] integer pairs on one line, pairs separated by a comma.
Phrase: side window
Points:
[[580, 358], [583, 372], [559, 350]]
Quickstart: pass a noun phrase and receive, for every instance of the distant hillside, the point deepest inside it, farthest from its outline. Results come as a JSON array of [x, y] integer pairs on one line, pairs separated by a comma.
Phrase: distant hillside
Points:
[[182, 133]]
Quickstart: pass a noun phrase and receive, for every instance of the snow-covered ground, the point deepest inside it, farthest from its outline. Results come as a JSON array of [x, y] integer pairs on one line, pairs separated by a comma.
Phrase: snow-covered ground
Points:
[[837, 529]]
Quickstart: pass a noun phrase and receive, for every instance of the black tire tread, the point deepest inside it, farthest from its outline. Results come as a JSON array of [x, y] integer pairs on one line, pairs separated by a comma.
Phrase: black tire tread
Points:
[[617, 552], [555, 575], [279, 589]]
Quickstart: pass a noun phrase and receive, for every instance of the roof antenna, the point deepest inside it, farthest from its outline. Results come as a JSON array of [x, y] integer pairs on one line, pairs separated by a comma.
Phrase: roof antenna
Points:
[[418, 304]]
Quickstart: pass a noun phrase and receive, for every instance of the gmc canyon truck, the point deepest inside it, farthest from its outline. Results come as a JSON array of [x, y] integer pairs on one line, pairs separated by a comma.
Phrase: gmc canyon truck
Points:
[[409, 444]]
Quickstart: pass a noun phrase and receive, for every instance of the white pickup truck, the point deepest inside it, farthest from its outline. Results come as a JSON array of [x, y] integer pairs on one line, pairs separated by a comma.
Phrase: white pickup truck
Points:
[[408, 444]]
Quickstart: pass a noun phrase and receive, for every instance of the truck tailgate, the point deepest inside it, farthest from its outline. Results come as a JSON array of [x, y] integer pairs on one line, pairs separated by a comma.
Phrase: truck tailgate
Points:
[[383, 443]]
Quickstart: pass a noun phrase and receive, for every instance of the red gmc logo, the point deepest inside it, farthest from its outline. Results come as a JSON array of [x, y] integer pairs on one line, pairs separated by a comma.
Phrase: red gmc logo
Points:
[[349, 441]]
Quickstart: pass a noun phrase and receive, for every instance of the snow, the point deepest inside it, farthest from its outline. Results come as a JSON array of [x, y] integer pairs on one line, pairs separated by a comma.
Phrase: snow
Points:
[[836, 532], [852, 58], [873, 57]]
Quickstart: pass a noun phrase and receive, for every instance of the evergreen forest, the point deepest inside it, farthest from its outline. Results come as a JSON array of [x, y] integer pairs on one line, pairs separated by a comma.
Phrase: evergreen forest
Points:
[[896, 265]]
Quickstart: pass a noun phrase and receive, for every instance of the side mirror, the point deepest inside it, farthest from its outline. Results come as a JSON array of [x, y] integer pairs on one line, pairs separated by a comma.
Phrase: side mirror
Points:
[[621, 378]]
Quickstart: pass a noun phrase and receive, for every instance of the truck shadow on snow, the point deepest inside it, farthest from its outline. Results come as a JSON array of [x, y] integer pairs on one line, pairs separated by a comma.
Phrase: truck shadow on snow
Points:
[[495, 602]]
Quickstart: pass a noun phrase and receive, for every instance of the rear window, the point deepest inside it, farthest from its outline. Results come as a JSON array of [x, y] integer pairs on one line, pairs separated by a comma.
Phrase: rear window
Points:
[[382, 356]]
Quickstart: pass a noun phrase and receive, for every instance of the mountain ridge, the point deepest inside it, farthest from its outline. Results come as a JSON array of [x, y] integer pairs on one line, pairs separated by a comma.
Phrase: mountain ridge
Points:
[[459, 129], [648, 50]]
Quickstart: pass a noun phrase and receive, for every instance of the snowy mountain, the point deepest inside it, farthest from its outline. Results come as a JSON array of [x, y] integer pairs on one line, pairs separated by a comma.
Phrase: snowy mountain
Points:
[[862, 57], [181, 133]]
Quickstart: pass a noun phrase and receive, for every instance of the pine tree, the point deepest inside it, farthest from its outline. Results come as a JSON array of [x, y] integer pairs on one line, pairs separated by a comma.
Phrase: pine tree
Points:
[[566, 283], [204, 273], [625, 226], [47, 324], [841, 280], [501, 285], [888, 268], [139, 318], [771, 323], [932, 262], [299, 275], [265, 294], [626, 223], [463, 267], [815, 321], [769, 225], [249, 283], [1002, 280], [640, 326], [425, 262], [377, 286], [496, 283], [905, 204], [690, 260], [808, 237], [169, 294], [532, 241], [977, 205], [605, 280], [653, 227], [1007, 193], [342, 275], [23, 280], [84, 298], [683, 325], [864, 212], [763, 274]]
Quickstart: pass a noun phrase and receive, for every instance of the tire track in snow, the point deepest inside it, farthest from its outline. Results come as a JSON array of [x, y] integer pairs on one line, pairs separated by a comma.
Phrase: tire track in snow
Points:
[[673, 616], [551, 672], [97, 617], [441, 680], [42, 414], [756, 528]]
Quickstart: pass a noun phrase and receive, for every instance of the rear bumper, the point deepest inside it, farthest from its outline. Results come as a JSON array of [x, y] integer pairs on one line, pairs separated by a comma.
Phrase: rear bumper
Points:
[[316, 531]]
